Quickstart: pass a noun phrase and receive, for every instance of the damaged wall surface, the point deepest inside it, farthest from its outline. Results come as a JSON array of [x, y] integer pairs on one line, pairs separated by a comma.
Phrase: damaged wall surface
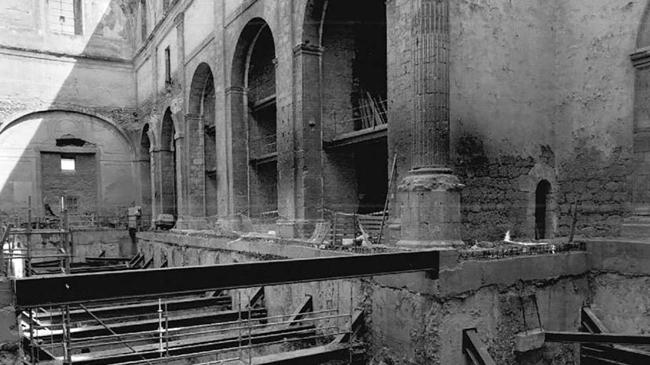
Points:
[[411, 319]]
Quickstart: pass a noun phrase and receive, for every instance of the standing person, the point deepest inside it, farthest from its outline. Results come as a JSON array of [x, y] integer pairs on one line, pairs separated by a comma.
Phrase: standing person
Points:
[[134, 213]]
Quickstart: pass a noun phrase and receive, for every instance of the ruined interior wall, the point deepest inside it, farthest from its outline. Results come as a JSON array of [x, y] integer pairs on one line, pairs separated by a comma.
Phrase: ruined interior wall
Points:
[[30, 25], [338, 166], [20, 175], [545, 83], [81, 183], [594, 110]]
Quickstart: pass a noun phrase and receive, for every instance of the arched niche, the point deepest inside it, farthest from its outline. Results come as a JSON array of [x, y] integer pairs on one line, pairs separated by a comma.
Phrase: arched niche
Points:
[[353, 100], [98, 176], [202, 113], [168, 166], [254, 117]]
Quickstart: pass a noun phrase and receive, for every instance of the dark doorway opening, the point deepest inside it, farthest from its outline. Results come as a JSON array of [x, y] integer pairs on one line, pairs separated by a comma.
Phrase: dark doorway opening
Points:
[[542, 209]]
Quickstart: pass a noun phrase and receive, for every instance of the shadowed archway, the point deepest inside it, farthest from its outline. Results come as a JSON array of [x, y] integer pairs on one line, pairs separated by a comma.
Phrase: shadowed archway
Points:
[[168, 168], [253, 108], [202, 129]]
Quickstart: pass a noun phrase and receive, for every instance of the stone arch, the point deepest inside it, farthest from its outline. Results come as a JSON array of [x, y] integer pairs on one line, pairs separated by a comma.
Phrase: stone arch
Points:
[[169, 168], [15, 118], [102, 180], [540, 174], [352, 39], [312, 29], [202, 80], [202, 128], [253, 119]]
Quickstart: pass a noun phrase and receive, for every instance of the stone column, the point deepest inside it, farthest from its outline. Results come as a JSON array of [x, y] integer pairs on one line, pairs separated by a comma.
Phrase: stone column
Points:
[[179, 153], [235, 97], [156, 184], [196, 159], [306, 150], [430, 194]]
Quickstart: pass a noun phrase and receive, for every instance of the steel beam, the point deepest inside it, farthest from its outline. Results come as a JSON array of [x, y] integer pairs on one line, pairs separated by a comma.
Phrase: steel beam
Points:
[[602, 338], [84, 288], [475, 349]]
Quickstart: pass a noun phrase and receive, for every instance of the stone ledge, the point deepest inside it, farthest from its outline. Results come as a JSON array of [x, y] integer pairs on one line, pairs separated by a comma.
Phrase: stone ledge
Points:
[[625, 256], [472, 275]]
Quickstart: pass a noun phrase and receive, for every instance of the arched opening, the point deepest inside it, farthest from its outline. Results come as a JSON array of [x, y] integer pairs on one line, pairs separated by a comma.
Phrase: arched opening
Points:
[[168, 166], [145, 173], [254, 73], [82, 157], [543, 210], [354, 103], [202, 104]]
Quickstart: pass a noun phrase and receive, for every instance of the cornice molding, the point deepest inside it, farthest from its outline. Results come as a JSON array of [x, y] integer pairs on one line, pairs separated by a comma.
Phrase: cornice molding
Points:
[[641, 58]]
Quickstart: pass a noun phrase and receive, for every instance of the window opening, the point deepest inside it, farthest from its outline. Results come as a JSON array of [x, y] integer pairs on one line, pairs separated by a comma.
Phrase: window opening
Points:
[[168, 67], [68, 164]]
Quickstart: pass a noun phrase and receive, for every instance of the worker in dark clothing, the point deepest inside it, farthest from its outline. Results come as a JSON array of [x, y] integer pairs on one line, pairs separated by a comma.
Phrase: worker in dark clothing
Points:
[[135, 213]]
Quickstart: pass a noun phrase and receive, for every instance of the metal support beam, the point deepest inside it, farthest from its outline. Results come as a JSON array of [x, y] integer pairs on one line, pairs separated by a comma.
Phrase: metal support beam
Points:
[[475, 349], [83, 288], [607, 354]]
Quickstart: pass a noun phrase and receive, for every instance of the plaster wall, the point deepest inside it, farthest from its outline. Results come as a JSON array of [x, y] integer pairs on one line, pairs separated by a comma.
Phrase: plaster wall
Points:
[[144, 76], [199, 24], [106, 30], [29, 83]]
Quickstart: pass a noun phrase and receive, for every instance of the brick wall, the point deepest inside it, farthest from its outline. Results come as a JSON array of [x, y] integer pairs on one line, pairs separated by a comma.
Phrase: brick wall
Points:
[[81, 183]]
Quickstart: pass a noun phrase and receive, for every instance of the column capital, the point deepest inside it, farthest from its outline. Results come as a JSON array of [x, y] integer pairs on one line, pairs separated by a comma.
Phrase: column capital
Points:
[[641, 58], [307, 49], [179, 135], [235, 90], [192, 116]]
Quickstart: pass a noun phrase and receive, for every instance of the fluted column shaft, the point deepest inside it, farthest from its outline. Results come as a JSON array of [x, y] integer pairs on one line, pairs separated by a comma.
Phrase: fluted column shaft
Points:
[[430, 130]]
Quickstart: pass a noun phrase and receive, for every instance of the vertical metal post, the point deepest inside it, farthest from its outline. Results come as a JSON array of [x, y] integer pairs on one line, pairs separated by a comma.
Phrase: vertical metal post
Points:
[[28, 266], [239, 324], [67, 356], [66, 242], [160, 329], [32, 352], [338, 305], [250, 328], [166, 330], [350, 323]]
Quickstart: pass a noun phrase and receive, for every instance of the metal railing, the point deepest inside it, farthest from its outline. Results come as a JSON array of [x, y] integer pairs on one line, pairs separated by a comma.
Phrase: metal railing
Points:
[[368, 115], [59, 334]]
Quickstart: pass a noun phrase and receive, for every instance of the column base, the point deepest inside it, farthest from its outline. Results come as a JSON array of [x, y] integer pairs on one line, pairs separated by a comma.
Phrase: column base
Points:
[[296, 228], [430, 245], [430, 209]]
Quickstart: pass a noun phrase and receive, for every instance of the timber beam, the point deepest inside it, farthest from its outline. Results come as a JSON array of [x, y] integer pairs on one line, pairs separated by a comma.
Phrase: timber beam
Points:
[[92, 287]]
